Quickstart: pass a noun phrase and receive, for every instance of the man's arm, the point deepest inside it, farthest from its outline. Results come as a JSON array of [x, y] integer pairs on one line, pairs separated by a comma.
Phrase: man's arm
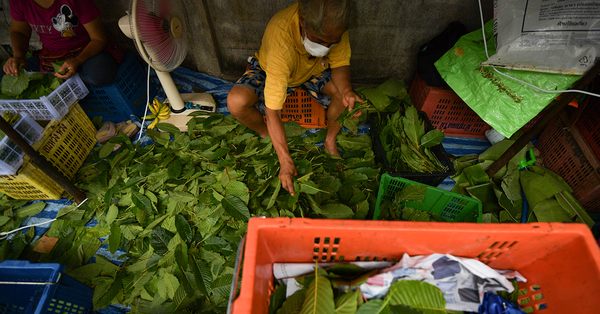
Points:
[[279, 140], [98, 41], [341, 79], [20, 33]]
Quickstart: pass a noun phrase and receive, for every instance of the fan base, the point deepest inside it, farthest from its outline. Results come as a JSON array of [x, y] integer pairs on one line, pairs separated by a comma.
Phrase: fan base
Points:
[[194, 102]]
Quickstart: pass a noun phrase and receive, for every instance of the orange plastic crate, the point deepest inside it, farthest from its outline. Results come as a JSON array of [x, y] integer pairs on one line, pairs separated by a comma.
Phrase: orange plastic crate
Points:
[[566, 152], [446, 110], [302, 108], [560, 261]]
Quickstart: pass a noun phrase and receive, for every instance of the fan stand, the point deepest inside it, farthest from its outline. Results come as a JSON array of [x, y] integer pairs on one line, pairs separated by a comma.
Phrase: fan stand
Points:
[[183, 104]]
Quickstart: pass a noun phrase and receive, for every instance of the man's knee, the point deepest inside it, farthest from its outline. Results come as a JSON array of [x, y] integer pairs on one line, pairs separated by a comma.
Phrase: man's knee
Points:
[[238, 99]]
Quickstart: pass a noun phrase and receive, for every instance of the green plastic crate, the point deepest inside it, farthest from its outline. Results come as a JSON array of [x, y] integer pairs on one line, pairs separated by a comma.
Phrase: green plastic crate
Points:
[[452, 206]]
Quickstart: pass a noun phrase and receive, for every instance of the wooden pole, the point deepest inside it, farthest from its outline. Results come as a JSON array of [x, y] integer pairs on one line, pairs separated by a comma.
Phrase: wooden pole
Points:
[[42, 163], [556, 106]]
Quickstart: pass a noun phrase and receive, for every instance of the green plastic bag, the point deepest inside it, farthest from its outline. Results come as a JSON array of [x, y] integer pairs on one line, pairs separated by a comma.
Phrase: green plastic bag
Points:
[[503, 103]]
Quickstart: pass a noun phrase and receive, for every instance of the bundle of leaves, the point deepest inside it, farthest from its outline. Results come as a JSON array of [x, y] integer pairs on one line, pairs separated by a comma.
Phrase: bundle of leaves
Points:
[[28, 86], [177, 208], [390, 96], [322, 292], [406, 143], [548, 195]]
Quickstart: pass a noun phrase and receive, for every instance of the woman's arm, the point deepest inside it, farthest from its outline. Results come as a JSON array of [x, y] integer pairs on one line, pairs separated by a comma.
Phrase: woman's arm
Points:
[[98, 41], [20, 33]]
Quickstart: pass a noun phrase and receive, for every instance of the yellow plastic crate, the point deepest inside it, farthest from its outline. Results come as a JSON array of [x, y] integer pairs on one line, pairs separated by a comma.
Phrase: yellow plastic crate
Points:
[[65, 143]]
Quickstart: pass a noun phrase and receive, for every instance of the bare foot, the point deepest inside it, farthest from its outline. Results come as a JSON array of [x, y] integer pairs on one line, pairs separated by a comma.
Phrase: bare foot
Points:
[[331, 147]]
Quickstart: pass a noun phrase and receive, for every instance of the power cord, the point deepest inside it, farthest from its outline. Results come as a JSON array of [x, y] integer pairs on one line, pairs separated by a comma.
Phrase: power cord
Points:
[[4, 235], [147, 102], [520, 81]]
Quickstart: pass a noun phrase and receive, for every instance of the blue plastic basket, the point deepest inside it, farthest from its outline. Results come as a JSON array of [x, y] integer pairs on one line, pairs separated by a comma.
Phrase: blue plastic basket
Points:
[[41, 288], [126, 96]]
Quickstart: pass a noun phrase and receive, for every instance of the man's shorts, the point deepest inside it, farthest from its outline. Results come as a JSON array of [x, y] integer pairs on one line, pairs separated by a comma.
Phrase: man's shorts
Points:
[[254, 78]]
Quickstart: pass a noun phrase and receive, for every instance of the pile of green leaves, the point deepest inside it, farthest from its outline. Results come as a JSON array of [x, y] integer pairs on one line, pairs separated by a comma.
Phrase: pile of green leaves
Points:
[[13, 212], [178, 207], [320, 293], [28, 86], [548, 195], [406, 144]]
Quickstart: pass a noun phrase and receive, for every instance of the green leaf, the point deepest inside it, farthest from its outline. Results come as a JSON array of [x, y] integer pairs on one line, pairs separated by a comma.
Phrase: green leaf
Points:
[[570, 204], [293, 304], [114, 239], [141, 201], [337, 211], [309, 187], [273, 197], [549, 210], [30, 210], [419, 295], [174, 168], [238, 189], [346, 303], [106, 150], [319, 296], [202, 273], [222, 286], [167, 127], [183, 228], [414, 193], [184, 197], [235, 207], [167, 286], [3, 220], [432, 138], [15, 85], [405, 309], [413, 126], [160, 240], [113, 212], [374, 306], [277, 298]]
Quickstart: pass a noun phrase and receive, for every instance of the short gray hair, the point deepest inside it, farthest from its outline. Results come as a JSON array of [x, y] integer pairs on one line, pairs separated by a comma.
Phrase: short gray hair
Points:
[[336, 13]]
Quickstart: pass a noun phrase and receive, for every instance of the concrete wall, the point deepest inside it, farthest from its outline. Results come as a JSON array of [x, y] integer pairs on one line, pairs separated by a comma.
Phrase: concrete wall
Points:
[[223, 33]]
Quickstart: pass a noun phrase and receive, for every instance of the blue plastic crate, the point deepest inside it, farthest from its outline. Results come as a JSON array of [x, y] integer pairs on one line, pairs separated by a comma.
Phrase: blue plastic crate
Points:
[[126, 96], [41, 288]]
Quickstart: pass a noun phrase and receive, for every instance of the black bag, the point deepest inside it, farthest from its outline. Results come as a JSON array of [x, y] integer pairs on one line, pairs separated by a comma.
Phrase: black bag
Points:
[[431, 51]]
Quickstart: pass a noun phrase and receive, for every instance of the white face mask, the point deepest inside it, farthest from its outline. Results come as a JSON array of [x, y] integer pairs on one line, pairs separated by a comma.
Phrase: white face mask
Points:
[[315, 50]]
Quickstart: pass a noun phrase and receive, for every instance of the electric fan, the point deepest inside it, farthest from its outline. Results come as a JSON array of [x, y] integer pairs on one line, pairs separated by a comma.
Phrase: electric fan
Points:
[[158, 30]]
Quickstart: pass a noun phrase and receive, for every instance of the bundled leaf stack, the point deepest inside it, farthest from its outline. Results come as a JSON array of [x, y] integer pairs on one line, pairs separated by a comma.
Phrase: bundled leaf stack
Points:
[[407, 144], [176, 209]]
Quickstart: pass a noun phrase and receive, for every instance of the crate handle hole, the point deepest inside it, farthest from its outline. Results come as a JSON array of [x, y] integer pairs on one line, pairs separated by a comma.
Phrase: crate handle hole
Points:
[[336, 241], [542, 306], [326, 241], [524, 301], [538, 297], [317, 240]]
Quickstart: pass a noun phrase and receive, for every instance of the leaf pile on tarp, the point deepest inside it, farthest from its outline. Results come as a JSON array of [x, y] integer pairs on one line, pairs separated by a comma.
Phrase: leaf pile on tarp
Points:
[[548, 195], [177, 208], [390, 96], [322, 292], [13, 212], [28, 86], [407, 144]]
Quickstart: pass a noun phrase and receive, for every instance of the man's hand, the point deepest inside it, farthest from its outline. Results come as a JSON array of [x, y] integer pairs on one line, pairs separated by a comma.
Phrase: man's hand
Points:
[[70, 67], [349, 98], [286, 173], [12, 65]]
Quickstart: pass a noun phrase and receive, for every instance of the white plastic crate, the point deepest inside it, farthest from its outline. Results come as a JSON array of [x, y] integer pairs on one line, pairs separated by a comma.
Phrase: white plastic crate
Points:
[[11, 156], [51, 107]]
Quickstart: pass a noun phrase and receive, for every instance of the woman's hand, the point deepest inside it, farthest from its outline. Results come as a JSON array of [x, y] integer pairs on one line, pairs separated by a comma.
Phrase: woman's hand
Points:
[[70, 66], [12, 65]]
